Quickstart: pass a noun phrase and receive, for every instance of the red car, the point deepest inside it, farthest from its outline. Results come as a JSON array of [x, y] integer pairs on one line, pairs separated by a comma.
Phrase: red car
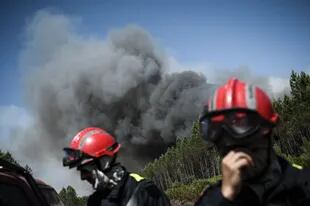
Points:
[[19, 188]]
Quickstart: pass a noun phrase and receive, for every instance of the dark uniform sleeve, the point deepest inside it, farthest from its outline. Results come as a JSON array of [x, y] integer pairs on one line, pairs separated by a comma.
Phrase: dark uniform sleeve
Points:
[[212, 196], [94, 199], [301, 194], [149, 194]]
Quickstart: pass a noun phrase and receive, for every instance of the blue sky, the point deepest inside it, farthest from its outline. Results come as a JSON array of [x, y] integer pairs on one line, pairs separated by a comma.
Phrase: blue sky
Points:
[[271, 37]]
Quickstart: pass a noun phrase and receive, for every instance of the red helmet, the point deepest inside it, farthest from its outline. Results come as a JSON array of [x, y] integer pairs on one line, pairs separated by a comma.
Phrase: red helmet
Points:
[[236, 94], [240, 106], [91, 142]]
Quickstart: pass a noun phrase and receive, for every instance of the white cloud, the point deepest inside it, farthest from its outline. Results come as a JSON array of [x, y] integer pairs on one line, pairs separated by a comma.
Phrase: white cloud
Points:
[[279, 86], [12, 118], [14, 122]]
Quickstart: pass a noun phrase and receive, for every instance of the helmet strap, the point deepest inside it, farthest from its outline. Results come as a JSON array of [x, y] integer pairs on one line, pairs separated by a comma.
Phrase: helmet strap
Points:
[[105, 162]]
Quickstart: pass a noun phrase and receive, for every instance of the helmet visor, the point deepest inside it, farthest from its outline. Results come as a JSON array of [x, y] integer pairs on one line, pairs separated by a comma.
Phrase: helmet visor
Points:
[[72, 157], [238, 124], [209, 130]]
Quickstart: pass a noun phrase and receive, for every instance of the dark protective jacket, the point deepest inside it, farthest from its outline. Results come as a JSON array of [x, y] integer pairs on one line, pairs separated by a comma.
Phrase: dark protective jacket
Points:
[[133, 190], [292, 189]]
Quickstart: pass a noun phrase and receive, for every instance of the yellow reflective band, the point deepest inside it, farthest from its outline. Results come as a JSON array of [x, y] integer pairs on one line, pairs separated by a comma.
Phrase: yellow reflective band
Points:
[[137, 177], [297, 166]]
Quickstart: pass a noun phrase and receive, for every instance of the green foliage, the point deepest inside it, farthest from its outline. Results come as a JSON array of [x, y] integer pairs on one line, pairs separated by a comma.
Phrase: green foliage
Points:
[[9, 157], [303, 159], [190, 192], [188, 160], [70, 198], [294, 111], [305, 156]]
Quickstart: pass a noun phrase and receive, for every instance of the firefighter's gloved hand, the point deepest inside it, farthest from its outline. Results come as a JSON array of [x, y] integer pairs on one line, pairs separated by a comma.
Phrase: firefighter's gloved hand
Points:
[[232, 165], [102, 181]]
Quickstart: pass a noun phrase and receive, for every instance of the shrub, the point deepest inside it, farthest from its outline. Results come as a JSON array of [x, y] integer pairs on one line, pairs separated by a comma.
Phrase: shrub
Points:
[[190, 192]]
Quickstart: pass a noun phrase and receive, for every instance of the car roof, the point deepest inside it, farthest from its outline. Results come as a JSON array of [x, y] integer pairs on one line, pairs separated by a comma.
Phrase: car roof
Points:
[[17, 175], [43, 184]]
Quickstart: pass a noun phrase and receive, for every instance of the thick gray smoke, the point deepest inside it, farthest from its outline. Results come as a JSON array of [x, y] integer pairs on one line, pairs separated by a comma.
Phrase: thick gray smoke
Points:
[[119, 83]]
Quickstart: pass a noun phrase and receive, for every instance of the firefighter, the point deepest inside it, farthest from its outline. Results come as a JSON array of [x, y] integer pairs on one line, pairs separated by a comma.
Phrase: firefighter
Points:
[[93, 153], [239, 120]]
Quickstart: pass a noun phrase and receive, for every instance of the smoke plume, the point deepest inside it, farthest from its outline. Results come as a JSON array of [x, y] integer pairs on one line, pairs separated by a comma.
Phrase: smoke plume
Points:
[[119, 83]]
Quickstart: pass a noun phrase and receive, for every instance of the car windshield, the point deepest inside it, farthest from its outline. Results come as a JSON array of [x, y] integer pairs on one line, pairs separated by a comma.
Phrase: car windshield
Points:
[[51, 197]]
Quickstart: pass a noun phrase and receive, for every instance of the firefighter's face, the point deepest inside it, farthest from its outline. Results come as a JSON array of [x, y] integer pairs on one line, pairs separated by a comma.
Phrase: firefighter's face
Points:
[[87, 171], [94, 172], [257, 148], [259, 154]]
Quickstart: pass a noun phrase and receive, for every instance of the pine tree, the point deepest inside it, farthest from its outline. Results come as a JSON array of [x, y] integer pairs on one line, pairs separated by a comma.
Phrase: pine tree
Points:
[[9, 157], [70, 198]]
